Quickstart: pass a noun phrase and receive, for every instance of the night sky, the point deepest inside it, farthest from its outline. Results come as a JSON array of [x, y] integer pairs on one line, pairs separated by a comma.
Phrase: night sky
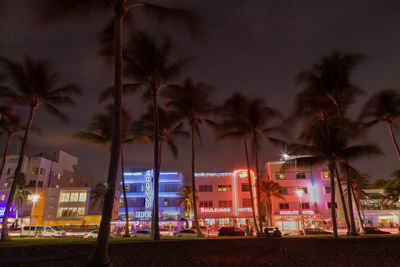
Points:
[[255, 47]]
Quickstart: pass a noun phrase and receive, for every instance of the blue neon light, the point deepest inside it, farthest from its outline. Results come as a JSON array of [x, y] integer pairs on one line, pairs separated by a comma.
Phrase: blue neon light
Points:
[[132, 173], [162, 194]]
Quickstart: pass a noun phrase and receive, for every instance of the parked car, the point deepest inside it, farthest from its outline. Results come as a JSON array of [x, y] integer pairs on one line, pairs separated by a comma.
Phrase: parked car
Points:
[[165, 232], [42, 231], [230, 231], [315, 231], [373, 230], [272, 232], [141, 233], [186, 232], [95, 234]]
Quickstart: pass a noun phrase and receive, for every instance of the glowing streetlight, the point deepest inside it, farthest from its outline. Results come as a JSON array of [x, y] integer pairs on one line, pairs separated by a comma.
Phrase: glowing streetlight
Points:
[[284, 156], [34, 199], [299, 193]]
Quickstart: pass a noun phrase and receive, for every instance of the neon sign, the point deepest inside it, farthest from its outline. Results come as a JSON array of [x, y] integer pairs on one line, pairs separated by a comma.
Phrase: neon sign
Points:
[[149, 189], [295, 212], [245, 210], [212, 174], [215, 210], [2, 210], [143, 214]]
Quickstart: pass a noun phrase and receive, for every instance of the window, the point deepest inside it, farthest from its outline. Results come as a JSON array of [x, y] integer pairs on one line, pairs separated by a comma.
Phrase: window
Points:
[[40, 184], [304, 189], [171, 187], [305, 206], [325, 174], [283, 191], [330, 206], [205, 188], [57, 186], [62, 212], [301, 175], [42, 171], [280, 176], [81, 211], [245, 187], [327, 189], [225, 203], [283, 206], [32, 183], [82, 197], [206, 204], [246, 203], [71, 180], [8, 171], [74, 197], [72, 212], [58, 176], [5, 185], [3, 197], [224, 188], [165, 202], [35, 171], [64, 197]]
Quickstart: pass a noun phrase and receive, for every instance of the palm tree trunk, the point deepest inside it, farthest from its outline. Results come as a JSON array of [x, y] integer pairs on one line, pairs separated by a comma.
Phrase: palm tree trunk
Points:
[[333, 202], [124, 192], [156, 219], [353, 230], [3, 164], [4, 233], [394, 140], [196, 219], [251, 187], [346, 216], [260, 233], [100, 256], [357, 201]]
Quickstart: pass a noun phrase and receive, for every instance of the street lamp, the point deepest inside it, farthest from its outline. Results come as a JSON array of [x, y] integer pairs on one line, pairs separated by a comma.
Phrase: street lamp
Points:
[[34, 198], [300, 193]]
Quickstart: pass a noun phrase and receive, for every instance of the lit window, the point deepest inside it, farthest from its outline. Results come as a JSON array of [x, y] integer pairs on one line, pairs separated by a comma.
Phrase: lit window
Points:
[[72, 212], [3, 197], [82, 197], [280, 176], [62, 212], [42, 171], [71, 180], [225, 188], [304, 189], [35, 171], [301, 175], [57, 186], [5, 185], [325, 174], [64, 197], [74, 197], [81, 211], [327, 189], [58, 176], [165, 202]]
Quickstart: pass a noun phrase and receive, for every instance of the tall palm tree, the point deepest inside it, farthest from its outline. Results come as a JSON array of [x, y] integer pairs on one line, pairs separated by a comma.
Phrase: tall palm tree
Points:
[[384, 107], [190, 102], [32, 83], [114, 39], [100, 133], [152, 67], [186, 199], [10, 124], [234, 125], [98, 193], [21, 194], [269, 189]]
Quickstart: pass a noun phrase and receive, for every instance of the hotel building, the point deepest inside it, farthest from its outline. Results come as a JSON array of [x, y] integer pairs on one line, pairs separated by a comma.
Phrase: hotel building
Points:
[[224, 198]]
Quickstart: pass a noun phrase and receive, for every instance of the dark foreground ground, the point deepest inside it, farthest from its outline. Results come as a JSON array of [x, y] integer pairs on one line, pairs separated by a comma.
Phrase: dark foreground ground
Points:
[[217, 252]]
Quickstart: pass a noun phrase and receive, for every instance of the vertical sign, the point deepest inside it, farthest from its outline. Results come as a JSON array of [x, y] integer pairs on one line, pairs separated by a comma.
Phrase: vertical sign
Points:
[[149, 190]]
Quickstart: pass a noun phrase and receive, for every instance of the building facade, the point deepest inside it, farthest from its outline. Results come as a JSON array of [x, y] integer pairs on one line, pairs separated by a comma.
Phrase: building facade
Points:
[[224, 198]]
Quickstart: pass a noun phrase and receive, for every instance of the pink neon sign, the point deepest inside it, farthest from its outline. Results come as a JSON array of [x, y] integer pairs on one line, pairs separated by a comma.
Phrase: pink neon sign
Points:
[[215, 209], [295, 212]]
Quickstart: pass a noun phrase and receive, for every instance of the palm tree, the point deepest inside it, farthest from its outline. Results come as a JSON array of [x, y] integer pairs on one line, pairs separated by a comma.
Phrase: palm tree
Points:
[[151, 67], [100, 133], [190, 102], [64, 8], [384, 107], [21, 194], [98, 193], [10, 124], [268, 190], [32, 84], [186, 199], [234, 125]]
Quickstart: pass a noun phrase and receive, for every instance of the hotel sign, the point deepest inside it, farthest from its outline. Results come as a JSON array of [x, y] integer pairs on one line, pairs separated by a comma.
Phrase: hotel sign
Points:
[[212, 210], [245, 210], [295, 212], [2, 210], [149, 189]]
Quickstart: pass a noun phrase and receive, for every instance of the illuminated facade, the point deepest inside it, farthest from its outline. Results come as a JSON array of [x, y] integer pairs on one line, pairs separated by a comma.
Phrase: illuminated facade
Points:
[[224, 198], [140, 193], [314, 182]]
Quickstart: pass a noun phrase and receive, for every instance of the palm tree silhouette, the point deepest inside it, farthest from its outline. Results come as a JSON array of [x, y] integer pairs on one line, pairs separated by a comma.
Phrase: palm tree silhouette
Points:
[[268, 190], [384, 107], [32, 84], [190, 102], [186, 199]]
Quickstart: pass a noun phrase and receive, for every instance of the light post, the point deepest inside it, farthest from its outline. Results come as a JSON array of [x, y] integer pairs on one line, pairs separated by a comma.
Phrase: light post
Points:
[[299, 193], [34, 198]]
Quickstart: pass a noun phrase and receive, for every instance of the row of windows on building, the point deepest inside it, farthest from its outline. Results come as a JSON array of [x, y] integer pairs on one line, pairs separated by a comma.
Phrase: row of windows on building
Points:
[[70, 211], [305, 206], [162, 188], [299, 175], [73, 197], [223, 188], [287, 191], [246, 203]]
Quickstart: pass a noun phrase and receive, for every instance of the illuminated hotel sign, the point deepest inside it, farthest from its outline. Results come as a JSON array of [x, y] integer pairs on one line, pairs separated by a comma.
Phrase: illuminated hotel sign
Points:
[[215, 209], [149, 189], [2, 210], [245, 210], [295, 212], [212, 174], [143, 214]]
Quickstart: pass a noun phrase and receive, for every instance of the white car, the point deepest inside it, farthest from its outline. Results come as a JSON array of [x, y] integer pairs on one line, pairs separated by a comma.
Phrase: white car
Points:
[[141, 233], [42, 231], [95, 234], [185, 233]]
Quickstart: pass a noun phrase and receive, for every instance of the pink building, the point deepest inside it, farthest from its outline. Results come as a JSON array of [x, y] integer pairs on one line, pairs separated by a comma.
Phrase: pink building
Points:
[[315, 183], [224, 198]]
